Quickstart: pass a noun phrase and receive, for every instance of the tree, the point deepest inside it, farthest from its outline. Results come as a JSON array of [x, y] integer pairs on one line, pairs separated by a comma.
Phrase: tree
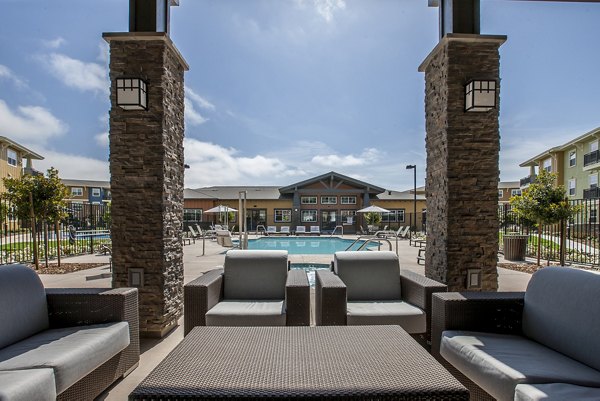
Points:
[[37, 197], [373, 218], [545, 203]]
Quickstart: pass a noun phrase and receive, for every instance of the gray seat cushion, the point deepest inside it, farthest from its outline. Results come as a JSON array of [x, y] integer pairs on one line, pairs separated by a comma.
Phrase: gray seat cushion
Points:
[[369, 275], [555, 392], [409, 317], [71, 352], [247, 313], [27, 385], [255, 274], [24, 311], [561, 311], [497, 362]]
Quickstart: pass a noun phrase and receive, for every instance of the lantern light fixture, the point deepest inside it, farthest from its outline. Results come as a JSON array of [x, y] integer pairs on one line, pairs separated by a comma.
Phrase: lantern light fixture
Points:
[[132, 94], [480, 95]]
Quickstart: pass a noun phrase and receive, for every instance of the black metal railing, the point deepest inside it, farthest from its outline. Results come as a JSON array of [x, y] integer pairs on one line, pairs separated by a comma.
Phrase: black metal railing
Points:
[[591, 158], [591, 193], [527, 180]]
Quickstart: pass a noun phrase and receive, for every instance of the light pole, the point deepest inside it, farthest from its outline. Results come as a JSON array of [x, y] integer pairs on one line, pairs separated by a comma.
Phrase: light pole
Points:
[[414, 168]]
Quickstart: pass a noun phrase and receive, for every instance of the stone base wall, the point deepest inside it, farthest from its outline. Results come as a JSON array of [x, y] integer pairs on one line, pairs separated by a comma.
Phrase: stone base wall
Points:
[[147, 169], [462, 164]]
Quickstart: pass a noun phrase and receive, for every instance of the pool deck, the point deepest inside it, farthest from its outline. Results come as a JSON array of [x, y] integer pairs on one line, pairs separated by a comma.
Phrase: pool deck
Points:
[[195, 263]]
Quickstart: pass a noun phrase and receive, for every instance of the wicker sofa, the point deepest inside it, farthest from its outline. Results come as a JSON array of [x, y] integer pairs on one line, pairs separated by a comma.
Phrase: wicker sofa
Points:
[[538, 345], [254, 288], [66, 344]]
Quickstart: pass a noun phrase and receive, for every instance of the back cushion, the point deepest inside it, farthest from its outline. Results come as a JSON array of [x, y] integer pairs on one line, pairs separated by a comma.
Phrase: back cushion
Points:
[[369, 275], [562, 311], [255, 274], [23, 308]]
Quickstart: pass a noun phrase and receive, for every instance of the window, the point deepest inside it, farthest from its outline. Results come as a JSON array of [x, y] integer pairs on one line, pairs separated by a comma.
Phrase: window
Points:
[[11, 157], [515, 192], [348, 216], [593, 180], [95, 192], [308, 200], [283, 215], [593, 215], [76, 191], [388, 217], [548, 165], [593, 146], [309, 216], [348, 200], [192, 215], [572, 158], [328, 200], [500, 193], [572, 183], [400, 215]]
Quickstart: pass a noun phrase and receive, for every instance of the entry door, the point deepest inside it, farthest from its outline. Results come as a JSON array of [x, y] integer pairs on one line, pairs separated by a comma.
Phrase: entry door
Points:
[[256, 217], [329, 219]]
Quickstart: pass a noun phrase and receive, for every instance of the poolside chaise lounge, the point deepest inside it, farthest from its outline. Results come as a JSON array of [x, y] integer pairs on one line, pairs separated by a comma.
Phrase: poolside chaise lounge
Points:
[[285, 230], [65, 344], [300, 230], [367, 288], [315, 230], [254, 288], [271, 230], [224, 239], [541, 344]]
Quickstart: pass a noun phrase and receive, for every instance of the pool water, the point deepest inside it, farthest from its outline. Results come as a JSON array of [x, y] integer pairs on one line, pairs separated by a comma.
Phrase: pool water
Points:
[[305, 245], [310, 269]]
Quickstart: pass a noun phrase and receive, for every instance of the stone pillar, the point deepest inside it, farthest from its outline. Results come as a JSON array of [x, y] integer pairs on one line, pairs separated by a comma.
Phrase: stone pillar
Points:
[[147, 169], [462, 163]]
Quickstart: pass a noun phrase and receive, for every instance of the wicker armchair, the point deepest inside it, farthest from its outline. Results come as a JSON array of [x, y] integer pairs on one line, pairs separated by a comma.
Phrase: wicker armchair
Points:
[[371, 283], [254, 288]]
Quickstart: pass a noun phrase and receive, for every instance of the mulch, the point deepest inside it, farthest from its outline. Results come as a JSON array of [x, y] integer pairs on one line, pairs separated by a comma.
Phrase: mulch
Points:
[[53, 268]]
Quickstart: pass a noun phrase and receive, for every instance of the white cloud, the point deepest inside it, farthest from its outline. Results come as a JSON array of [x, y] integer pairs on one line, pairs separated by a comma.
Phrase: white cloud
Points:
[[102, 139], [103, 52], [212, 164], [325, 8], [73, 166], [29, 124], [6, 73], [78, 74], [54, 43], [192, 99], [369, 155]]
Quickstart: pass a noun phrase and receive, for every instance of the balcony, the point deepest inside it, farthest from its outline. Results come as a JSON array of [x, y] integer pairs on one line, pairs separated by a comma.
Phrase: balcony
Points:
[[591, 193], [523, 182], [591, 160]]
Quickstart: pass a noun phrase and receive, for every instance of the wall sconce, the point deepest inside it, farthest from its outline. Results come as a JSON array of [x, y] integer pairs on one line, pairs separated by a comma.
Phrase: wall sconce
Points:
[[480, 95], [136, 277], [132, 94], [473, 279]]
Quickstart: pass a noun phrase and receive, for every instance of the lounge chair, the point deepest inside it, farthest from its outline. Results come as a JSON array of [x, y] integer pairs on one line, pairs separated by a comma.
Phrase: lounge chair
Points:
[[300, 230], [254, 288], [271, 230], [315, 230], [285, 230], [369, 288], [193, 233], [224, 239]]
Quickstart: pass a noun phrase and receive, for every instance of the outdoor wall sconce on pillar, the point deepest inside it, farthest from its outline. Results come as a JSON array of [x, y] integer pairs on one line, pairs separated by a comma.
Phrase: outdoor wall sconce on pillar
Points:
[[132, 94], [473, 279], [480, 95]]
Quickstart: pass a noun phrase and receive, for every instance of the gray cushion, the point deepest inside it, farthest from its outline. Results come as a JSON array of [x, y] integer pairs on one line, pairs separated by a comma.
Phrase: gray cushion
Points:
[[555, 392], [409, 317], [369, 275], [561, 311], [255, 274], [253, 313], [498, 362], [27, 385], [72, 352], [24, 310]]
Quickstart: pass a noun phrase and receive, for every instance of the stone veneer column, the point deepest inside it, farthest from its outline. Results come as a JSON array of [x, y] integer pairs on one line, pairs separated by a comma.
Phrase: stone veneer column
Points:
[[462, 163], [147, 168]]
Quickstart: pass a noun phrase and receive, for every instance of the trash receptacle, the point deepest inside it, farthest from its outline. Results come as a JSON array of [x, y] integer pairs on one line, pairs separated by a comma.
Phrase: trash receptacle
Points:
[[515, 246]]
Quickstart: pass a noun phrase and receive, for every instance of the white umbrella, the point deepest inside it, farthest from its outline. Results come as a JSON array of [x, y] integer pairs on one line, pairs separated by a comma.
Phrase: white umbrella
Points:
[[373, 209], [222, 209]]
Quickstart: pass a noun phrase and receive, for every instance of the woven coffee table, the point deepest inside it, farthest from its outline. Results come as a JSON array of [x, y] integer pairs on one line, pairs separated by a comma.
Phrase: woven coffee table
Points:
[[251, 363]]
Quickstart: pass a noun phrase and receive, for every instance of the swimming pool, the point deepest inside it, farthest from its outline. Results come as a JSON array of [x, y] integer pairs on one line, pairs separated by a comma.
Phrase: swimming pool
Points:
[[305, 245]]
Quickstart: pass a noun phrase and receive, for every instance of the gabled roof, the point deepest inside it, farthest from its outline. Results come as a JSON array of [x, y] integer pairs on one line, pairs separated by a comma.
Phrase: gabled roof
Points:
[[27, 153], [85, 183], [331, 176], [232, 192], [400, 195], [548, 152]]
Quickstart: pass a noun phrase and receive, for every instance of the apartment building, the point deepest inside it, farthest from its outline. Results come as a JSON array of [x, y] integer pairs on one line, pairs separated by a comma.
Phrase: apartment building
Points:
[[508, 189], [86, 191], [576, 163], [15, 160]]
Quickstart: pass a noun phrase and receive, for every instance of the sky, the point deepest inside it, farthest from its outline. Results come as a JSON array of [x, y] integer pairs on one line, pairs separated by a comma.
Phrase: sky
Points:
[[279, 91]]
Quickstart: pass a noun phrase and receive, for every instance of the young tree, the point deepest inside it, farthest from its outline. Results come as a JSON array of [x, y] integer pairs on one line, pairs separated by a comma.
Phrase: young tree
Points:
[[545, 203], [37, 197]]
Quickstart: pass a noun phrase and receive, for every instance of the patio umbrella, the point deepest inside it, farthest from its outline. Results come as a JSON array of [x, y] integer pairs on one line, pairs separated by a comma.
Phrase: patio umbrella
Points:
[[373, 209], [222, 209]]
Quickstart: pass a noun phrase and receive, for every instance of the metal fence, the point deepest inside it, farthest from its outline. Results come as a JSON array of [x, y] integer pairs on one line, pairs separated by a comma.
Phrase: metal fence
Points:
[[582, 233], [84, 230]]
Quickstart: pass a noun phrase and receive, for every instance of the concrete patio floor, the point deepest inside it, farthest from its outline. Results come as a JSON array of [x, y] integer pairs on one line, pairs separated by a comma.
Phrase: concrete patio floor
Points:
[[195, 263]]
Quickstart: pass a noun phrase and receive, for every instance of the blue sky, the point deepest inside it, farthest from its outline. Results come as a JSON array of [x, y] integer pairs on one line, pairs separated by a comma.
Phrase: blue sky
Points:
[[282, 90]]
